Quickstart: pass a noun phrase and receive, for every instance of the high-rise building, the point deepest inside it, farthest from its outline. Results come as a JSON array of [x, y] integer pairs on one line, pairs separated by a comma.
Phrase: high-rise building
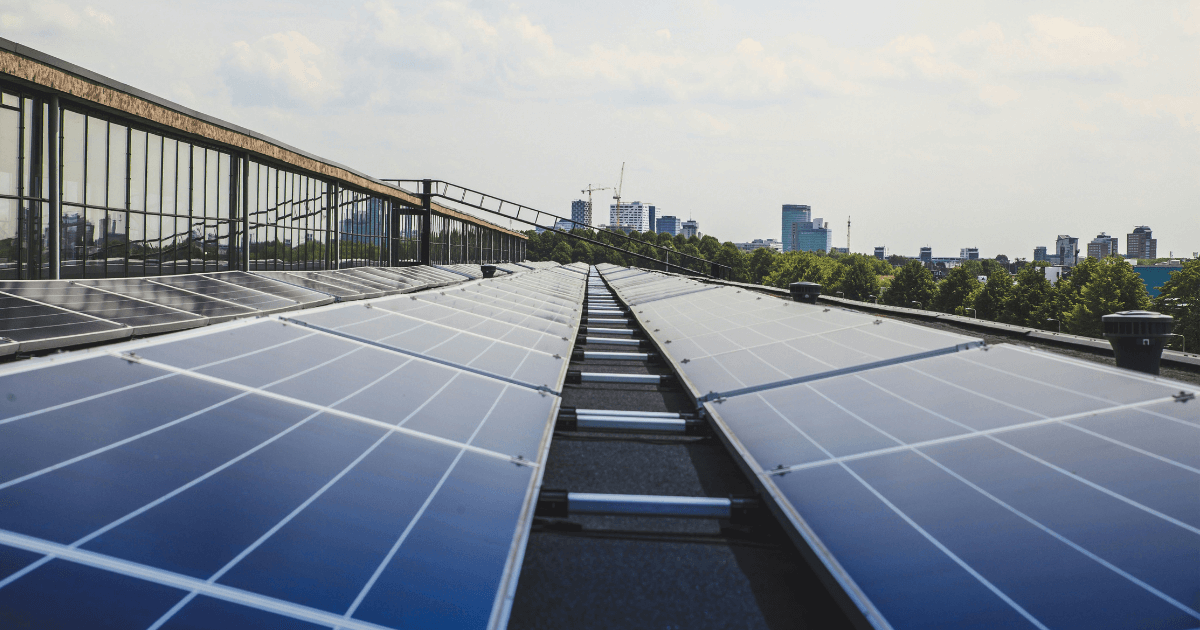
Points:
[[668, 224], [794, 216], [1067, 249], [1102, 246], [1140, 243], [926, 254], [881, 253], [632, 215], [811, 236], [969, 253], [690, 228], [581, 212], [1039, 253], [652, 210]]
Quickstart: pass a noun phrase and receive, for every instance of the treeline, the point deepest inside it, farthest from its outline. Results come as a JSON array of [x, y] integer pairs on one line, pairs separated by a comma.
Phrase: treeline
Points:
[[1074, 304]]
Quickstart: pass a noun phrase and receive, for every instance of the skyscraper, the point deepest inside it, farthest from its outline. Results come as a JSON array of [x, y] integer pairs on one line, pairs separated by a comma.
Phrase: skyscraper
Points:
[[794, 216], [691, 228], [1140, 243], [881, 253], [926, 254], [581, 212], [1039, 253], [1067, 249], [668, 224], [632, 215], [1102, 246]]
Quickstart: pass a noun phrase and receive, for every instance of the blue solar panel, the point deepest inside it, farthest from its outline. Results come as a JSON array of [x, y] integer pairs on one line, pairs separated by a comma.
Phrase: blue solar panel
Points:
[[264, 474], [986, 488]]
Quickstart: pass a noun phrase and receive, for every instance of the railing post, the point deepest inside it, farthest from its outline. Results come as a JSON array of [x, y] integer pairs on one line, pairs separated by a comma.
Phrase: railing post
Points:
[[426, 218], [54, 246]]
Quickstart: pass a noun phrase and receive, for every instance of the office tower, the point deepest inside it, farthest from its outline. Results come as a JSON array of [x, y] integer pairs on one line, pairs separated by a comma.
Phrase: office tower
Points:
[[881, 253], [1039, 253], [668, 224], [691, 228], [926, 254], [1141, 243], [969, 253], [581, 212], [632, 215], [1067, 249], [1101, 246], [794, 216]]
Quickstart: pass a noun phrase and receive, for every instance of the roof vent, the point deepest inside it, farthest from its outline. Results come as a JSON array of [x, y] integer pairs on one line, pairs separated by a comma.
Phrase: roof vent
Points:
[[805, 291], [489, 271], [1138, 338]]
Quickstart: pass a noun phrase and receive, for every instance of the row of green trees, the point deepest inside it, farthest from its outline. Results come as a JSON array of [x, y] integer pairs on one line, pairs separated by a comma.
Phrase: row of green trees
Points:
[[1074, 304]]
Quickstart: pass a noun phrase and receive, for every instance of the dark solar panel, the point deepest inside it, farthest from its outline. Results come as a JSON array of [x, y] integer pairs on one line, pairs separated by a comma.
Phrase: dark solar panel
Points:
[[213, 288], [40, 326], [147, 290], [261, 474], [280, 289], [228, 483], [992, 487], [144, 317]]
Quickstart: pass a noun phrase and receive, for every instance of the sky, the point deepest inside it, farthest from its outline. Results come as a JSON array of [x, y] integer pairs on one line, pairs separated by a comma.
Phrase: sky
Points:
[[996, 125]]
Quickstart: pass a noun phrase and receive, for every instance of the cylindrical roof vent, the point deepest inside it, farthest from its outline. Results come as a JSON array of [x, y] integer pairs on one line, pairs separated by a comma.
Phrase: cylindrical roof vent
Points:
[[1138, 338], [805, 291], [489, 271]]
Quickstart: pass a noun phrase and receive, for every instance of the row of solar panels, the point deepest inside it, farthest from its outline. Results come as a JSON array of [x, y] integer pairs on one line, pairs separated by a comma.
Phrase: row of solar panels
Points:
[[47, 314], [940, 482], [361, 465]]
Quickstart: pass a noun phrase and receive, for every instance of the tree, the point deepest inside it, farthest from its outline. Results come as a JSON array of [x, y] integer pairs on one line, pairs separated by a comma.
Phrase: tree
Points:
[[953, 292], [759, 264], [1113, 286], [856, 277], [912, 283], [1180, 298], [989, 300], [730, 256], [1031, 291], [562, 254]]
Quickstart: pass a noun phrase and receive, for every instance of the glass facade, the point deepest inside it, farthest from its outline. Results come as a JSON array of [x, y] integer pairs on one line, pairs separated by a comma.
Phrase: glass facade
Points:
[[138, 201]]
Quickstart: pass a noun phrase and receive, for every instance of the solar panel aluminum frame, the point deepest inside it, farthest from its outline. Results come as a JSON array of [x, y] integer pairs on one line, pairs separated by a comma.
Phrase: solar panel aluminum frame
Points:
[[141, 330], [320, 301], [50, 343], [256, 311], [572, 324], [509, 578]]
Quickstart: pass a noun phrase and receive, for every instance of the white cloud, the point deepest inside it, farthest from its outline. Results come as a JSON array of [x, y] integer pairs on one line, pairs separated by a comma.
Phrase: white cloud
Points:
[[1185, 109], [998, 95], [51, 17], [286, 65]]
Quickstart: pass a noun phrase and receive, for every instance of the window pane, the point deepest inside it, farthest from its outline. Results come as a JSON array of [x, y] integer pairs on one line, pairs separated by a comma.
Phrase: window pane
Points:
[[72, 156], [154, 166], [10, 150], [137, 170], [97, 161], [93, 242], [118, 156]]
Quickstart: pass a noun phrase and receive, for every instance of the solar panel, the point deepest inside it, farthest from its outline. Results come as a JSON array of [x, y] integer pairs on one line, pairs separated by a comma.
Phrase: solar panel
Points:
[[34, 326], [213, 288], [268, 474], [325, 282], [144, 317], [284, 290], [144, 289], [992, 487], [471, 271]]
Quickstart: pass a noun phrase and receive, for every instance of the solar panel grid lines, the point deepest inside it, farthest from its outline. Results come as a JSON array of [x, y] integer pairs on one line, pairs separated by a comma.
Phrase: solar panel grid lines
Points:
[[841, 461], [215, 310], [427, 354], [1114, 402], [230, 293], [342, 292], [303, 296], [143, 316], [37, 326]]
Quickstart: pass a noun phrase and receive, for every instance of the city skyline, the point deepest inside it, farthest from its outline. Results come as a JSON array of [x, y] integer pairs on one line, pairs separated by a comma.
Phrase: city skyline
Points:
[[935, 123]]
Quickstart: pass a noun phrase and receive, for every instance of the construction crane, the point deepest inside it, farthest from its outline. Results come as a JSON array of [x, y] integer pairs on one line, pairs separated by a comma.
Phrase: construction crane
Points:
[[617, 196], [589, 190], [847, 235]]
